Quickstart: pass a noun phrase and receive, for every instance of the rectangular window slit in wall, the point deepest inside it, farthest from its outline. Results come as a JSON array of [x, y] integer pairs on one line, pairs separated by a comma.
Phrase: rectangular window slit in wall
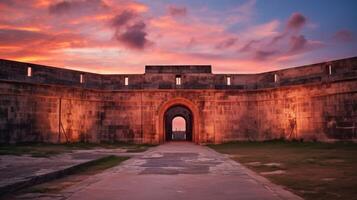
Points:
[[330, 70], [126, 80], [81, 78], [29, 71], [228, 80], [276, 78], [178, 80]]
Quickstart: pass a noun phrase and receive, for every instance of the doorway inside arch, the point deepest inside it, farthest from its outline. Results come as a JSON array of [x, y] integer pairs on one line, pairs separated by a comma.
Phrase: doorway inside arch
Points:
[[178, 124], [178, 128]]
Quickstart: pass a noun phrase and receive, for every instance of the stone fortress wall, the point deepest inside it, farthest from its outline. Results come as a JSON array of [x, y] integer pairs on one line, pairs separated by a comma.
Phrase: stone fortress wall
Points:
[[314, 102]]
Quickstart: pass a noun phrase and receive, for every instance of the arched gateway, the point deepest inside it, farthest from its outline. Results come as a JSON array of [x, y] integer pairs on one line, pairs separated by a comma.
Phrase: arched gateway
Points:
[[178, 107], [170, 115]]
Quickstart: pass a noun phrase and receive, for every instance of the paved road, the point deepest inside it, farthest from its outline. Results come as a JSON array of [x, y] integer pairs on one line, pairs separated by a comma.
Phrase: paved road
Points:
[[178, 171]]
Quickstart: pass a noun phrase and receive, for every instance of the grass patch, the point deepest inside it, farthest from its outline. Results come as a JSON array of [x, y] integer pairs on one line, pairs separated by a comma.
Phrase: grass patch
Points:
[[100, 165], [47, 150], [314, 170], [35, 150]]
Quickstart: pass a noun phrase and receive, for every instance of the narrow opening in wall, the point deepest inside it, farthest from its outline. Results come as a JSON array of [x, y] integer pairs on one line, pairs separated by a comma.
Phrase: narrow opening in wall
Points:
[[330, 70], [228, 80], [178, 80], [126, 80], [81, 78], [276, 78], [29, 71]]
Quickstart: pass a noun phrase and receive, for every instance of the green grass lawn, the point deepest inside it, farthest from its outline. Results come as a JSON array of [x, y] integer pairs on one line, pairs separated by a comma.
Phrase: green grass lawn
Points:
[[312, 170], [46, 150]]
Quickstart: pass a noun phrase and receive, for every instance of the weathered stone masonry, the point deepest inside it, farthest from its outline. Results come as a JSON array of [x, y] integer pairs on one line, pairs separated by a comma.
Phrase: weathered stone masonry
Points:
[[311, 102]]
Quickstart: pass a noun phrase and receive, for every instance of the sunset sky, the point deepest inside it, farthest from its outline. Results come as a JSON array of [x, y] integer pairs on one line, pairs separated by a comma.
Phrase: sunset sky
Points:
[[121, 36]]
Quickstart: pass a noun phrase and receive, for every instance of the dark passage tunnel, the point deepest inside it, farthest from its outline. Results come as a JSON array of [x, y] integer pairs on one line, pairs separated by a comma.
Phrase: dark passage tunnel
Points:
[[178, 134]]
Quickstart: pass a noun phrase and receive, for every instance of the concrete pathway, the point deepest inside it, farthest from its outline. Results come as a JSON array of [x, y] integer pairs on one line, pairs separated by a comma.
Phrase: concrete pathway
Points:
[[177, 171]]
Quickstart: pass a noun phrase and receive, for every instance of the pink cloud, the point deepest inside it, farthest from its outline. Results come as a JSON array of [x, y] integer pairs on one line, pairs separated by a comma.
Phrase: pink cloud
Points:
[[123, 18], [297, 43], [18, 37], [177, 10], [296, 21], [226, 43], [77, 7], [264, 30], [130, 30], [262, 55], [293, 26], [134, 36], [343, 36], [247, 47], [110, 37], [284, 45]]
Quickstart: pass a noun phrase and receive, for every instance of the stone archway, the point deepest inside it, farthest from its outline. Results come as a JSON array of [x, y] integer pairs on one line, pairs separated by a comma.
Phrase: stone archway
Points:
[[178, 102], [178, 111]]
